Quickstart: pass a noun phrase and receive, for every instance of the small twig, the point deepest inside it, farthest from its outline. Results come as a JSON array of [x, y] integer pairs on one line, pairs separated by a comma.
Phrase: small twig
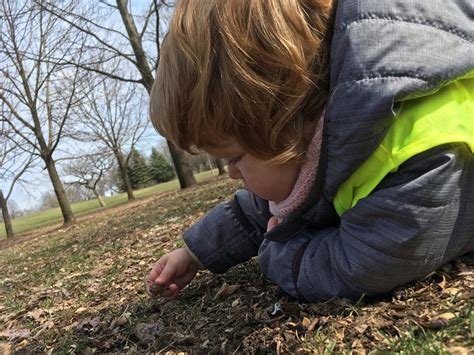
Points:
[[235, 351], [167, 346]]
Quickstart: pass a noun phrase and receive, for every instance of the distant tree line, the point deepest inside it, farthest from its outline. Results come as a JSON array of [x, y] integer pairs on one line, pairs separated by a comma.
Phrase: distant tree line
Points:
[[100, 179]]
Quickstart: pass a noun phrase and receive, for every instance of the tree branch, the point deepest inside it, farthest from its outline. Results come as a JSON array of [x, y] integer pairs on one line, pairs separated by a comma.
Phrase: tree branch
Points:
[[86, 31]]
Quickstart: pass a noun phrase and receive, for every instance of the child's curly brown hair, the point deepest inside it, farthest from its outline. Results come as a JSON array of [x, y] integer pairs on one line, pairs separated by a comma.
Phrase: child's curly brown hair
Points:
[[254, 70]]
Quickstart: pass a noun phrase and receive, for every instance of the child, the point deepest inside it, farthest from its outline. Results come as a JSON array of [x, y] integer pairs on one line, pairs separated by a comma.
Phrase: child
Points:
[[354, 185]]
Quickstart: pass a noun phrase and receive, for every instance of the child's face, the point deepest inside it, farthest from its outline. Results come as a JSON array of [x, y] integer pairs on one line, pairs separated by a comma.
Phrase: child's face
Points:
[[273, 183]]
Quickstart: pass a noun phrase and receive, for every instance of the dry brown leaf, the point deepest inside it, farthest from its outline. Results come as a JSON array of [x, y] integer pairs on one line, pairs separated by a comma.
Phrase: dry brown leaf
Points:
[[15, 335], [66, 293], [306, 322], [123, 319], [398, 306], [225, 291], [442, 284], [89, 325], [44, 326], [447, 315], [465, 296], [435, 324], [47, 325], [205, 343], [361, 327], [380, 323], [22, 344], [422, 290], [459, 350], [357, 347], [465, 269], [313, 324], [5, 348], [73, 275], [451, 291], [340, 333], [80, 310], [35, 314], [236, 302], [262, 316], [148, 332]]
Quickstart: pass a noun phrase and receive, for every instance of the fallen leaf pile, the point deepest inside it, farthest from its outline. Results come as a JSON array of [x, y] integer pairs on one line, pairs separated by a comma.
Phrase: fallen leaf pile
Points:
[[81, 289]]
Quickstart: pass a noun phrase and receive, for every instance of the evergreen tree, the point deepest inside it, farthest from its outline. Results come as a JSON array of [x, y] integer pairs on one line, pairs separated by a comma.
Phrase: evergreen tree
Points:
[[118, 178], [160, 169], [139, 172]]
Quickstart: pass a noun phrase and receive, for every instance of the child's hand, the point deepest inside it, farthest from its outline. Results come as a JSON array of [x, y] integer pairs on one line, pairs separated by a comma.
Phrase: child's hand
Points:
[[272, 222], [171, 273]]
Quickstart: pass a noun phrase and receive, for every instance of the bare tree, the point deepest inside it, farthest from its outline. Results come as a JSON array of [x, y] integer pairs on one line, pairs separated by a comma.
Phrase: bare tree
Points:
[[143, 58], [220, 166], [13, 165], [76, 193], [48, 201], [88, 171], [39, 94], [14, 210], [6, 215], [113, 115]]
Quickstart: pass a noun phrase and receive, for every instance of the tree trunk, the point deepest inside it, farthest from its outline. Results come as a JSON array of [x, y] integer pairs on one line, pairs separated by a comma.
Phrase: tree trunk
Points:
[[100, 199], [220, 166], [137, 45], [126, 179], [6, 216], [68, 216], [182, 166], [180, 161]]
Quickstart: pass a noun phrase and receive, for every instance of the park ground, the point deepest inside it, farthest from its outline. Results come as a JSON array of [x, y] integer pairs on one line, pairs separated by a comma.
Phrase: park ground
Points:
[[80, 289]]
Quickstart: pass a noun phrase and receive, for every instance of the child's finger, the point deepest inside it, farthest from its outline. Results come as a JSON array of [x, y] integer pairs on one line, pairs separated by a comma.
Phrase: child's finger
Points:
[[171, 292], [166, 275], [168, 291], [152, 275], [272, 222], [156, 270]]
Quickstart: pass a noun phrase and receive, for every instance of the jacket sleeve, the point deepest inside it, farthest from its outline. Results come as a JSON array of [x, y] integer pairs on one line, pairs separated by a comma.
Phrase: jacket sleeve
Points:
[[230, 233], [418, 219]]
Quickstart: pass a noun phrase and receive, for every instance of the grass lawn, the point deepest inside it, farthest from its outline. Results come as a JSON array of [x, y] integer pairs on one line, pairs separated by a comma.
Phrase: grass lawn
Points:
[[53, 216]]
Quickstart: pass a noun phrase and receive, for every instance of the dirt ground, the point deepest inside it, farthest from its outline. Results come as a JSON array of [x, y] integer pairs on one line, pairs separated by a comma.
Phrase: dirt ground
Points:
[[80, 289]]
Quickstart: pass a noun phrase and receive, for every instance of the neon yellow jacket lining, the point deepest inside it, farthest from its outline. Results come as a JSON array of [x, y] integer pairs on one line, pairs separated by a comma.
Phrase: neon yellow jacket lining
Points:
[[423, 123]]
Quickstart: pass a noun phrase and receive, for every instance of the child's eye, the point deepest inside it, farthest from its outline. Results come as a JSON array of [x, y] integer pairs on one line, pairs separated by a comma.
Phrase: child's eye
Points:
[[233, 161]]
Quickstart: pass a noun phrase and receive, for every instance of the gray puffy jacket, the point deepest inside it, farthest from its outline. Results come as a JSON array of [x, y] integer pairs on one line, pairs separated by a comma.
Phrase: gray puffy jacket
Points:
[[418, 218]]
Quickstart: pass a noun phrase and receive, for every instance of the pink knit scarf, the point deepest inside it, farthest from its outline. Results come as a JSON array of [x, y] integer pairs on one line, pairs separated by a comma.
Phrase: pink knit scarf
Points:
[[305, 178]]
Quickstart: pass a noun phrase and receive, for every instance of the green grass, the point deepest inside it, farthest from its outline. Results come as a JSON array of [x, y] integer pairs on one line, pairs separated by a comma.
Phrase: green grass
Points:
[[417, 340], [53, 216]]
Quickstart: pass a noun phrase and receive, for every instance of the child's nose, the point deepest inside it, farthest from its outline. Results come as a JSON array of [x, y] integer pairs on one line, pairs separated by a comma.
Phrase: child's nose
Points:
[[233, 172]]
